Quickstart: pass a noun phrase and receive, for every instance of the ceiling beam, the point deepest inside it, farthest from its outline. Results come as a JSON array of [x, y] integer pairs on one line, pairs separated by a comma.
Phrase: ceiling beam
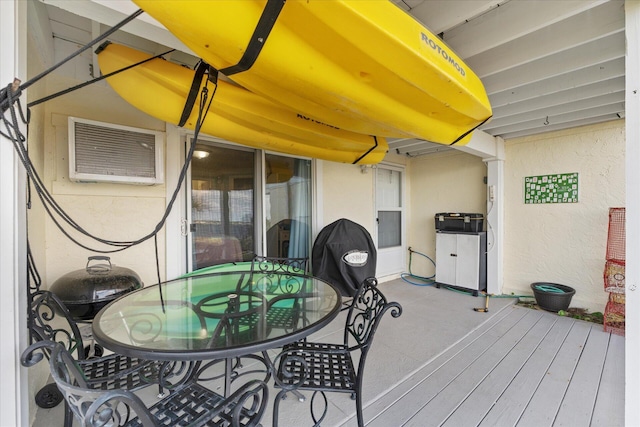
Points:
[[551, 40], [40, 31], [416, 147], [596, 52], [481, 144], [423, 151], [505, 24], [112, 12], [550, 111], [409, 143], [568, 117], [442, 15], [561, 126], [512, 81], [516, 103], [69, 32]]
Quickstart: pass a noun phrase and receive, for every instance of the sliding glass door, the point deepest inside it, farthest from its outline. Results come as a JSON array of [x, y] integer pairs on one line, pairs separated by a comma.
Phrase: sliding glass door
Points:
[[232, 219], [287, 206], [223, 188]]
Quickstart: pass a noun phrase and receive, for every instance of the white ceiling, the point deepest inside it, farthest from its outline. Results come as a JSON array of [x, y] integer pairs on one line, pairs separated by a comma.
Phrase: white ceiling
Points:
[[546, 65]]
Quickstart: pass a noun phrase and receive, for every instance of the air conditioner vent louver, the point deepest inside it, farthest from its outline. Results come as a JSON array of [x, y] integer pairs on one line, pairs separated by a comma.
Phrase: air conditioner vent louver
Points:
[[110, 153]]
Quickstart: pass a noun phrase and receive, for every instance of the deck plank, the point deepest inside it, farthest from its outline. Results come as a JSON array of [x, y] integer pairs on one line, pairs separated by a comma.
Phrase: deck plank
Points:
[[544, 405], [415, 378], [579, 401], [491, 378], [609, 408], [479, 402], [402, 403], [510, 405], [469, 375]]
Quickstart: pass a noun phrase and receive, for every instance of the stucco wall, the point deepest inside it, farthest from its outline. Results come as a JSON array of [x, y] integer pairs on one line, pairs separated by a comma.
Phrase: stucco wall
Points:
[[563, 243], [347, 193], [444, 182], [110, 211]]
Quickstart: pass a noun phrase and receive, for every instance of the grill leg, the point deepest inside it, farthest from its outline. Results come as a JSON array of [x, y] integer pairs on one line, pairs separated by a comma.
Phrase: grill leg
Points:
[[49, 396]]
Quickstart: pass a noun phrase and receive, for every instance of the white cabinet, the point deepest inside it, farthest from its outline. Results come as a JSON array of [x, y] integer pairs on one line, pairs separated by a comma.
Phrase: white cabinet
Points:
[[461, 260]]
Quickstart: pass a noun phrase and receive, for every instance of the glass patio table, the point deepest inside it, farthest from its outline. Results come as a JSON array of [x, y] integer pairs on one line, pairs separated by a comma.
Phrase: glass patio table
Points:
[[219, 315]]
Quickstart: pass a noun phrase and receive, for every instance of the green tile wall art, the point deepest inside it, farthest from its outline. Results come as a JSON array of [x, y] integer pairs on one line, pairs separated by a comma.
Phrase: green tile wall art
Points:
[[554, 188]]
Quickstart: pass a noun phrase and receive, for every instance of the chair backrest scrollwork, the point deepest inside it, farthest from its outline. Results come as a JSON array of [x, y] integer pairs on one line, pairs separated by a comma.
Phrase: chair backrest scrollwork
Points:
[[235, 316], [367, 309], [279, 265], [49, 319], [277, 275]]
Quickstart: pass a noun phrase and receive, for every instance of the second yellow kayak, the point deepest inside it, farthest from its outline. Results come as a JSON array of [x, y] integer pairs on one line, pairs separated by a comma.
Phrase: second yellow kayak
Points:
[[160, 89]]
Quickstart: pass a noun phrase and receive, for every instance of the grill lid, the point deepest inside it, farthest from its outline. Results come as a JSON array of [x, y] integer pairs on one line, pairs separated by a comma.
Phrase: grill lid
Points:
[[94, 286]]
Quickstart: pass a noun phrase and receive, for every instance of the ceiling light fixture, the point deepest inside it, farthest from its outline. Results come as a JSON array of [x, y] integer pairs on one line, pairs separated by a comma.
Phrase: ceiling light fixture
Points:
[[200, 154]]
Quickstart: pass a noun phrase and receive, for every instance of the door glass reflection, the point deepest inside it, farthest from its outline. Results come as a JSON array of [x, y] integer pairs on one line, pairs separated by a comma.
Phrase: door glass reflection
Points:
[[222, 205]]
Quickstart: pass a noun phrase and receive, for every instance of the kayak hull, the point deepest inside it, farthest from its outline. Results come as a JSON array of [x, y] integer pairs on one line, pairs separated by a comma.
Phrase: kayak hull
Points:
[[362, 65], [160, 88]]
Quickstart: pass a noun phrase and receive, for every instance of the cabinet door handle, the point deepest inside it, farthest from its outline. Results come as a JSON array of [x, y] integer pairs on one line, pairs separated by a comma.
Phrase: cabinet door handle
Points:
[[453, 254]]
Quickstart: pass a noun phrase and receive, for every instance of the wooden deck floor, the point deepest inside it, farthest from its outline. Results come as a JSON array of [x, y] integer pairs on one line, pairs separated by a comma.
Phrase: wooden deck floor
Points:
[[522, 368], [443, 364]]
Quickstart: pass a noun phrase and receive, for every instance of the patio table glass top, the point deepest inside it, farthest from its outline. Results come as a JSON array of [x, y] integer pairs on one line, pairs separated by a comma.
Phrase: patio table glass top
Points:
[[218, 314]]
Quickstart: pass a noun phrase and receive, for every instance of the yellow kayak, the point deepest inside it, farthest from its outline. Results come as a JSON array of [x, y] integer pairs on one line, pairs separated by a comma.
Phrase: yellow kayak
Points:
[[362, 65], [160, 89]]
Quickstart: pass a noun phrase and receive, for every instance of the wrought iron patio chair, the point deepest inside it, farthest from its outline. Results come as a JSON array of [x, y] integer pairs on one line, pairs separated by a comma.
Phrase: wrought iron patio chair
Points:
[[280, 276], [191, 404], [235, 319], [279, 265], [323, 367], [50, 320]]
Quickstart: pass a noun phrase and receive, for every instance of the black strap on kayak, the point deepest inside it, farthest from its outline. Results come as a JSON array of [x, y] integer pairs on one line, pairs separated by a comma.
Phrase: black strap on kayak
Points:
[[375, 139], [470, 130], [202, 68], [258, 38]]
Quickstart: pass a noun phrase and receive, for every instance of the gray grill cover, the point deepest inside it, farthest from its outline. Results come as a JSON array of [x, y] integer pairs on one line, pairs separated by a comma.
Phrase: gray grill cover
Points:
[[344, 255]]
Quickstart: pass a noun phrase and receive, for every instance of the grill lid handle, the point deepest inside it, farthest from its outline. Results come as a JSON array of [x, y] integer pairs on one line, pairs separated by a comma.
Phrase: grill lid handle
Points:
[[98, 268]]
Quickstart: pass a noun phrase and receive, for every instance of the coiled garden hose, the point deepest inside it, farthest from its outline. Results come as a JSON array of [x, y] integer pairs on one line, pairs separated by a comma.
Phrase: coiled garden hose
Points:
[[430, 281], [426, 281]]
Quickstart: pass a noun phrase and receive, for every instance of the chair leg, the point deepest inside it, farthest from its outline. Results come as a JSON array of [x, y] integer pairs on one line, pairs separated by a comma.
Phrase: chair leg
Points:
[[68, 415], [299, 395], [161, 393], [359, 408], [317, 421], [276, 406]]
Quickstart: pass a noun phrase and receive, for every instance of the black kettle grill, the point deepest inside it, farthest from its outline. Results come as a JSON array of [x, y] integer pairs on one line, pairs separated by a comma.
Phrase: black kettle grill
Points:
[[84, 292]]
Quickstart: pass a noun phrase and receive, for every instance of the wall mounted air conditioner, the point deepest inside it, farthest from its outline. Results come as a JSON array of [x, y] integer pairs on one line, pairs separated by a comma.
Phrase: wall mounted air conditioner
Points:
[[104, 152]]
